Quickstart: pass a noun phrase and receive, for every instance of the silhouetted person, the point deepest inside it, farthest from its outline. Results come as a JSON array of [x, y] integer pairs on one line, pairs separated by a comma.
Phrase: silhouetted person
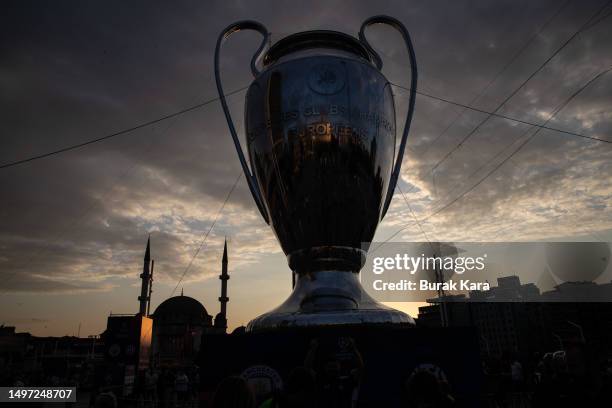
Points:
[[423, 390], [605, 392], [300, 391], [181, 386], [338, 379], [161, 395], [106, 400], [233, 392], [516, 375], [545, 388], [151, 380]]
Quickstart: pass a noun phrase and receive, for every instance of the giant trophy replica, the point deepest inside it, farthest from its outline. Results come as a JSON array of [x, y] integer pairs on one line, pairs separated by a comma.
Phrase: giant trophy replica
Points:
[[320, 130]]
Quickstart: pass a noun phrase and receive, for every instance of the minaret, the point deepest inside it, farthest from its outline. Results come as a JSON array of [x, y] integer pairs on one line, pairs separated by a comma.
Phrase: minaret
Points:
[[150, 288], [146, 280], [221, 318]]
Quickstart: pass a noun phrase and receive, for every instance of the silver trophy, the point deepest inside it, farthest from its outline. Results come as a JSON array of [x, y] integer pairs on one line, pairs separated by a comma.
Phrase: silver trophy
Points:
[[320, 131]]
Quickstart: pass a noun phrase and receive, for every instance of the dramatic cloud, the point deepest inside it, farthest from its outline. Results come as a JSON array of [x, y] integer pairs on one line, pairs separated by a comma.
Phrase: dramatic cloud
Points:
[[77, 222]]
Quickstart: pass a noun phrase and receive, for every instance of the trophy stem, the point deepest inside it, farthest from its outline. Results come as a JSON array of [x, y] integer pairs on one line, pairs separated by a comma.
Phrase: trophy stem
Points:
[[321, 258]]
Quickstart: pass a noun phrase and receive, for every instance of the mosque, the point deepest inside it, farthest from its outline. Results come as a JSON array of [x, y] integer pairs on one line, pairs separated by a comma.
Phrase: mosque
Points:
[[171, 336], [180, 322]]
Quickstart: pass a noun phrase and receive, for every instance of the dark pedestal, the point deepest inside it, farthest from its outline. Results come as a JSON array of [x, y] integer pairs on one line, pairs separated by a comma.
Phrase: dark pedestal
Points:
[[389, 357]]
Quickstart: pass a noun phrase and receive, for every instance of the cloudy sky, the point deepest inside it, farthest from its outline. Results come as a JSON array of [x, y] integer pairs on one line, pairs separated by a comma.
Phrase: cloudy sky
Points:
[[73, 226]]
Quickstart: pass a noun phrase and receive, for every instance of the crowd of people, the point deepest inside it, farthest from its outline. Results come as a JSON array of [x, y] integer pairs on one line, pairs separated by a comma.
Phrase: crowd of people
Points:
[[332, 378], [166, 388], [423, 390], [560, 379], [566, 378]]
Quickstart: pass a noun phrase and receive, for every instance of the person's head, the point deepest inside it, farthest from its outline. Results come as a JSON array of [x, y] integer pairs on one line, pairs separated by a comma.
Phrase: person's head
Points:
[[233, 392], [300, 389], [421, 387], [332, 369], [559, 361], [108, 379], [301, 380], [105, 400]]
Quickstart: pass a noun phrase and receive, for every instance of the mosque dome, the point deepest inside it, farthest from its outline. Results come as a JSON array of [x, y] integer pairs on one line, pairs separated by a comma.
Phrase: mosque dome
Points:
[[181, 309]]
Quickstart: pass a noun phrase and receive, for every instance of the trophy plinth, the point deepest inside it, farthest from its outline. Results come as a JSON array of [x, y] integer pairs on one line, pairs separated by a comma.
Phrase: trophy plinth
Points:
[[320, 125], [328, 298]]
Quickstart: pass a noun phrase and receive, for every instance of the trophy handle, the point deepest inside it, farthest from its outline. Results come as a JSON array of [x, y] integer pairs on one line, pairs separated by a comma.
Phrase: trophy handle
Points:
[[413, 86], [225, 34]]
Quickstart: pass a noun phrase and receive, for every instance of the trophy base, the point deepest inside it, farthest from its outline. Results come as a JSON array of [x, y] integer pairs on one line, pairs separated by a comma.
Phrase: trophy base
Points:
[[328, 298]]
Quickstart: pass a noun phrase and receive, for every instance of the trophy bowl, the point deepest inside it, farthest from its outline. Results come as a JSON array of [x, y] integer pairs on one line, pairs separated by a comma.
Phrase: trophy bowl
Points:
[[321, 142]]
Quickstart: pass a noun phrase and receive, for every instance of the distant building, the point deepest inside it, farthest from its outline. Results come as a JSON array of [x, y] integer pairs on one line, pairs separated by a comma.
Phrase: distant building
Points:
[[579, 292], [180, 322], [130, 344], [509, 288], [128, 340], [439, 311], [516, 318], [178, 325], [128, 337], [36, 357]]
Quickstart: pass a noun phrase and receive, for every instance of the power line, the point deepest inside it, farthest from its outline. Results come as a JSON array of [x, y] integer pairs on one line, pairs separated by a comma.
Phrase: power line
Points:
[[490, 83], [194, 107], [489, 161], [499, 73], [207, 102], [122, 176], [527, 140], [498, 166], [526, 122], [513, 93], [439, 276], [119, 133], [416, 221], [597, 21], [586, 26], [415, 217], [126, 173], [229, 193], [494, 157]]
